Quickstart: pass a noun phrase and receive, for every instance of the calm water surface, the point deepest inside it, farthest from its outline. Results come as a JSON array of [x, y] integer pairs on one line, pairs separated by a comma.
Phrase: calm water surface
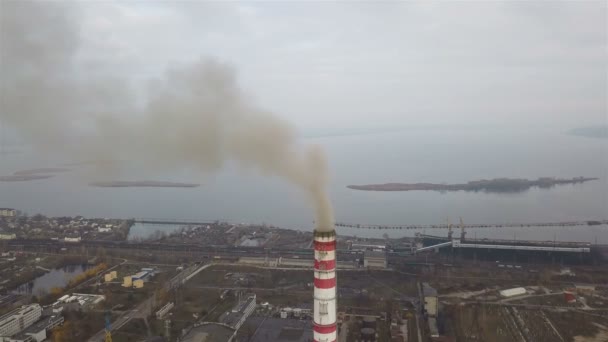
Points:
[[410, 155], [55, 278]]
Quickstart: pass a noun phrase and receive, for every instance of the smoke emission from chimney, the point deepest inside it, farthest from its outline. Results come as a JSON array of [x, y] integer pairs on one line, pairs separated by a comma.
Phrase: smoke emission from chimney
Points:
[[193, 116]]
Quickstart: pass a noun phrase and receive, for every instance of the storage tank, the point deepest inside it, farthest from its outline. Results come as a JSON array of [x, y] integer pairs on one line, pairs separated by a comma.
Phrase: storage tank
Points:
[[127, 281], [517, 291], [368, 335]]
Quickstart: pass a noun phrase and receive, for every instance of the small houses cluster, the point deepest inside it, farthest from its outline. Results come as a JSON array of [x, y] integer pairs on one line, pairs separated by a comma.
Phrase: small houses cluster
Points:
[[108, 277], [137, 280]]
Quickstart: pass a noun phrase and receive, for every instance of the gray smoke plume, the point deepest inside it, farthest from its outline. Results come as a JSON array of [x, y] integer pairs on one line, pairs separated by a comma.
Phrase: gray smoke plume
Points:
[[194, 116]]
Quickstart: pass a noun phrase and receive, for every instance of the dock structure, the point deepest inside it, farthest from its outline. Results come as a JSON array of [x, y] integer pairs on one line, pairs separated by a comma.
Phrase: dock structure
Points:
[[434, 242], [474, 225], [510, 245], [558, 247], [512, 251], [447, 226]]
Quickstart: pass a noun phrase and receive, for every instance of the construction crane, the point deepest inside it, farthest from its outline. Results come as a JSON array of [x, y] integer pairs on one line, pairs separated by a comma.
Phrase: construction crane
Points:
[[108, 331]]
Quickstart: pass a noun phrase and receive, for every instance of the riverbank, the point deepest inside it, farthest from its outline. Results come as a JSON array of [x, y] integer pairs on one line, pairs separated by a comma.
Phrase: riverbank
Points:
[[22, 269], [66, 228]]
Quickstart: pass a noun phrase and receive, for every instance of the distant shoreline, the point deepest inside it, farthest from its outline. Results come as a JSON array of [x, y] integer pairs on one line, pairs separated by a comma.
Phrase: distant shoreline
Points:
[[40, 171], [493, 185], [32, 174], [598, 132], [143, 184], [23, 178]]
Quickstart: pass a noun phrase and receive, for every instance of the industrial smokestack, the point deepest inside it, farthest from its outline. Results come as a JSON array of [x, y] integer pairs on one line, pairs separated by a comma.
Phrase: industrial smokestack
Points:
[[325, 305]]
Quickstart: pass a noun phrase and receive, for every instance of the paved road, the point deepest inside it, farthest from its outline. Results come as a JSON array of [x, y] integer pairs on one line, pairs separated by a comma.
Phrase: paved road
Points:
[[123, 319], [145, 308], [535, 306]]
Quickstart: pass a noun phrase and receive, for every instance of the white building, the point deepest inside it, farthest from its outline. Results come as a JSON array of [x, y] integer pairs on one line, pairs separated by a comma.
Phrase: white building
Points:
[[517, 291], [37, 332], [72, 239], [430, 299], [7, 236], [164, 310], [8, 212], [104, 229], [19, 319]]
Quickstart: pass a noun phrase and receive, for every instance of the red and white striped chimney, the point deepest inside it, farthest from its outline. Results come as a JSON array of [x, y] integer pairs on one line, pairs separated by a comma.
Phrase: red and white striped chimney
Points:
[[325, 287]]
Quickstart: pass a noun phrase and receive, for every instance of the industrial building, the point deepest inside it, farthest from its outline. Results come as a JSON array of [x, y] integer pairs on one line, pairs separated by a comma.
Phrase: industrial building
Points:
[[8, 212], [127, 281], [366, 247], [517, 251], [517, 291], [160, 314], [37, 332], [7, 236], [237, 316], [137, 280], [374, 259], [291, 262], [295, 312], [108, 277], [86, 301], [140, 275], [72, 239], [19, 319], [295, 262], [430, 300]]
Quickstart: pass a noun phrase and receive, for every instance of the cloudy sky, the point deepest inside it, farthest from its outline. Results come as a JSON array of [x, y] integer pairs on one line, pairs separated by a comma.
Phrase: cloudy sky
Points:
[[322, 64]]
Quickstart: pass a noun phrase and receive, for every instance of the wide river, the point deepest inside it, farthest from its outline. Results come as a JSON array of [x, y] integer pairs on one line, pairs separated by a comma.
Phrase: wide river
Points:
[[435, 155]]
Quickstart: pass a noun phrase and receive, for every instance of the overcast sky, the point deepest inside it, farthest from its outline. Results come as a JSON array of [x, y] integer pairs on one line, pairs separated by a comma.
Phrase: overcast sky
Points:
[[323, 64]]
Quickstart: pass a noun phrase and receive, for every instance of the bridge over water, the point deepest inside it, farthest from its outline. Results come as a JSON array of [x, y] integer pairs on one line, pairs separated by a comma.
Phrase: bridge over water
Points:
[[396, 227], [483, 225]]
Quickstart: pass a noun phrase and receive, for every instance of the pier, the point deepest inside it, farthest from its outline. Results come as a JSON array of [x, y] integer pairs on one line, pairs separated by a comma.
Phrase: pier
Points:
[[195, 222], [492, 225]]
